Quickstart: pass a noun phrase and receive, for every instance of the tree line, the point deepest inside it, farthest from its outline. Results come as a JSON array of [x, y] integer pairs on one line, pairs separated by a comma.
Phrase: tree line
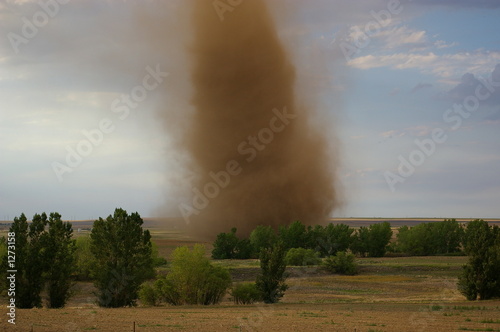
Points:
[[479, 279], [434, 238]]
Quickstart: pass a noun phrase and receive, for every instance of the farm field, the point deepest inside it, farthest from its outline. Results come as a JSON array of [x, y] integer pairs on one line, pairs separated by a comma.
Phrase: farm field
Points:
[[389, 294], [445, 316]]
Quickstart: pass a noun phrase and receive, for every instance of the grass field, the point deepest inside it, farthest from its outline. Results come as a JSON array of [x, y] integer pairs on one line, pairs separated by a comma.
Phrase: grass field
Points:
[[389, 294]]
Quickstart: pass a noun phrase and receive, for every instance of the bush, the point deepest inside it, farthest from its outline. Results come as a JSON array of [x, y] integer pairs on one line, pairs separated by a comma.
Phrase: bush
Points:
[[342, 263], [167, 291], [193, 279], [148, 294], [245, 293], [271, 280], [302, 257]]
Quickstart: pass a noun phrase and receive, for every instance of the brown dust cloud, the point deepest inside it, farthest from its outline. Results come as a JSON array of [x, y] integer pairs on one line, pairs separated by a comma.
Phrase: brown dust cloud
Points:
[[256, 155]]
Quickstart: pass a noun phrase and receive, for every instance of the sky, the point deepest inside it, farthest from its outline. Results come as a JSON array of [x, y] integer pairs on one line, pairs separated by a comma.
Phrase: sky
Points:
[[413, 88]]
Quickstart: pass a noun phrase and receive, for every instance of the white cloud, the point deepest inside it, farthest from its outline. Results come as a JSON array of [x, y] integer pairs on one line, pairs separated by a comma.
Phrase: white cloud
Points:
[[443, 66], [442, 44], [399, 36]]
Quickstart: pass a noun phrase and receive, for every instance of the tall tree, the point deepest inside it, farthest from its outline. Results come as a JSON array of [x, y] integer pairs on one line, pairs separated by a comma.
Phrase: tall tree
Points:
[[36, 265], [123, 258], [480, 277], [60, 254], [271, 281]]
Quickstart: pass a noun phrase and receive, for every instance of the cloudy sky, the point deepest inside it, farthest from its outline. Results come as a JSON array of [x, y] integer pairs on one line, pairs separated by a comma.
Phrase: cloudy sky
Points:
[[414, 88]]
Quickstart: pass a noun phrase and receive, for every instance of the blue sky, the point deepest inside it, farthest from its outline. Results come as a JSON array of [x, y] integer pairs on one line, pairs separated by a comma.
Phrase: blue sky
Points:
[[397, 88]]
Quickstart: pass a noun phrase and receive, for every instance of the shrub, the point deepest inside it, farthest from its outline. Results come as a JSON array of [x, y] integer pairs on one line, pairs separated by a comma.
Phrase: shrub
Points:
[[342, 263], [167, 291], [302, 257], [193, 279], [271, 280], [148, 294], [245, 293]]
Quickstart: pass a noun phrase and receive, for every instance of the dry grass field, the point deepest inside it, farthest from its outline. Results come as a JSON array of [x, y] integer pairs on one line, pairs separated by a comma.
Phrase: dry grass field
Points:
[[389, 294]]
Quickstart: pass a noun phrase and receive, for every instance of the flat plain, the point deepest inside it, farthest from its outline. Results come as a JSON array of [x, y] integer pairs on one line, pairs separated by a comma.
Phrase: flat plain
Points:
[[389, 294]]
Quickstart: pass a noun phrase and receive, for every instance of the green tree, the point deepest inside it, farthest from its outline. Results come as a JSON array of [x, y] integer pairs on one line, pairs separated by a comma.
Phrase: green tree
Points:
[[59, 253], [448, 237], [293, 235], [36, 265], [434, 238], [261, 237], [29, 262], [123, 260], [361, 241], [333, 238], [480, 277], [271, 280], [372, 241], [229, 246]]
